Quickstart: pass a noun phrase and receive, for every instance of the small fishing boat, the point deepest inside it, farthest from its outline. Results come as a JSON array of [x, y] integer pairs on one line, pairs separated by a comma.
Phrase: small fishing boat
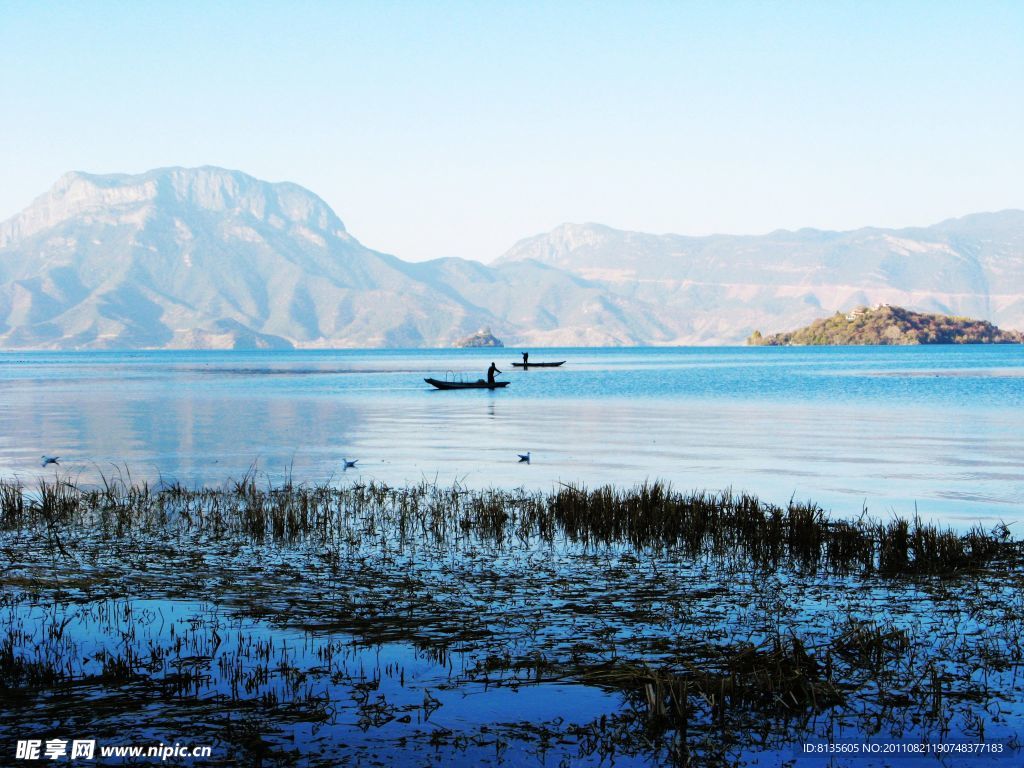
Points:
[[538, 365], [479, 384]]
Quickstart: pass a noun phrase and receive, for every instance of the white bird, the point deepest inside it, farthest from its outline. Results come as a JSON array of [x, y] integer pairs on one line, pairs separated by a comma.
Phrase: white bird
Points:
[[524, 457], [47, 460], [350, 464]]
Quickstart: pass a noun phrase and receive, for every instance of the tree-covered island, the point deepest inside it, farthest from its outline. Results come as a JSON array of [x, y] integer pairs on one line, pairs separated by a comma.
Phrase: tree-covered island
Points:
[[885, 324]]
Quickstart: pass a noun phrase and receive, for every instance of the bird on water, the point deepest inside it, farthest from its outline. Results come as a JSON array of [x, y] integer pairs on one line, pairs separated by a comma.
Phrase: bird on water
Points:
[[524, 457], [350, 464]]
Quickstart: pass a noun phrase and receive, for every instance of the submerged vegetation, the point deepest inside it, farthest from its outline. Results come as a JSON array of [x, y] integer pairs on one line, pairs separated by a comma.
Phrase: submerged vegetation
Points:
[[888, 325], [314, 625]]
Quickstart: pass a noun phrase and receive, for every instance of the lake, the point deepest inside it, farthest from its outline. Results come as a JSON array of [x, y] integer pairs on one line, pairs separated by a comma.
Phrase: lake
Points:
[[368, 617], [936, 430]]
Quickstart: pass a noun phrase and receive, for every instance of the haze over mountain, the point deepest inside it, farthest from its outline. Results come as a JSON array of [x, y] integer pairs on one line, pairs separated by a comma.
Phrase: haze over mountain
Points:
[[212, 258], [722, 285]]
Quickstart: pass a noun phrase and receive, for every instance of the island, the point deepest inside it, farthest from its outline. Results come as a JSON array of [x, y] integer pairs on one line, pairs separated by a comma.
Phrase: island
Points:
[[884, 324], [482, 338]]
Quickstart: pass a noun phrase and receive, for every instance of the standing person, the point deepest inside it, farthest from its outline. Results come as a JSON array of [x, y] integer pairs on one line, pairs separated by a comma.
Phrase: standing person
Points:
[[526, 358], [490, 373]]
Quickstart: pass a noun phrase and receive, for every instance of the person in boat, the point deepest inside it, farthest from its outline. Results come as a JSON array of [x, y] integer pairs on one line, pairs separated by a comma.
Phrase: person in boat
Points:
[[490, 373], [526, 359]]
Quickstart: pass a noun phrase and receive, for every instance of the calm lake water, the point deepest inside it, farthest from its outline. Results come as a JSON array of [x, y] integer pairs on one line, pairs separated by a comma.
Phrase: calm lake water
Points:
[[939, 430]]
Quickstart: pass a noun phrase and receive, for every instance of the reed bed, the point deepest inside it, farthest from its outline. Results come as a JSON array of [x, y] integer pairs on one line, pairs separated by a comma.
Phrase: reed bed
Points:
[[723, 526], [715, 626]]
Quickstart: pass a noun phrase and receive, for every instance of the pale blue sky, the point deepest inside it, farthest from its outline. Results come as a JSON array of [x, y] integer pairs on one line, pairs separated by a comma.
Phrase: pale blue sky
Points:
[[453, 129]]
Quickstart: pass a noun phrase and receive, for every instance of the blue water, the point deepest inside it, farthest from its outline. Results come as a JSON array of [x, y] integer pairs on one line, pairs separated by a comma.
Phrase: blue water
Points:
[[332, 666], [936, 430]]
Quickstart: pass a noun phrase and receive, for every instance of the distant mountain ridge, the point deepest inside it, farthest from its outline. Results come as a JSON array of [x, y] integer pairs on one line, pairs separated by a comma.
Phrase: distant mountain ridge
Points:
[[721, 285], [213, 258]]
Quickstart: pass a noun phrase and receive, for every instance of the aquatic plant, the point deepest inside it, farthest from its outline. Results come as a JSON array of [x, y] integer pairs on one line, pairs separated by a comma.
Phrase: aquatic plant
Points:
[[250, 608]]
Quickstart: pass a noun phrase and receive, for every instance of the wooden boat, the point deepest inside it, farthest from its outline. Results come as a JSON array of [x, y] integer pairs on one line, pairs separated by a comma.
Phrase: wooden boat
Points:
[[480, 384], [538, 365]]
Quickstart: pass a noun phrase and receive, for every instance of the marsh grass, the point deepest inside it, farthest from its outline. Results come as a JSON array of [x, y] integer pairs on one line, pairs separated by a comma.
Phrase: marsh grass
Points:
[[722, 624], [727, 525], [721, 526]]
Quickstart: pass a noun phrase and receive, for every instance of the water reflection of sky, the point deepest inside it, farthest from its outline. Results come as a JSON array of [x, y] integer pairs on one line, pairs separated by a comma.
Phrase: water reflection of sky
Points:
[[377, 692], [939, 427]]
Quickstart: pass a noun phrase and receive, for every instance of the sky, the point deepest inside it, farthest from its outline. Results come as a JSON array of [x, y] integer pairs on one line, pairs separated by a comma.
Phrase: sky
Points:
[[457, 128]]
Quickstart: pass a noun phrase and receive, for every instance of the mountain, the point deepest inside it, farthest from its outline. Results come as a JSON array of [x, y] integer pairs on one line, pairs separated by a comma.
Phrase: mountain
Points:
[[885, 325], [211, 258], [723, 287]]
